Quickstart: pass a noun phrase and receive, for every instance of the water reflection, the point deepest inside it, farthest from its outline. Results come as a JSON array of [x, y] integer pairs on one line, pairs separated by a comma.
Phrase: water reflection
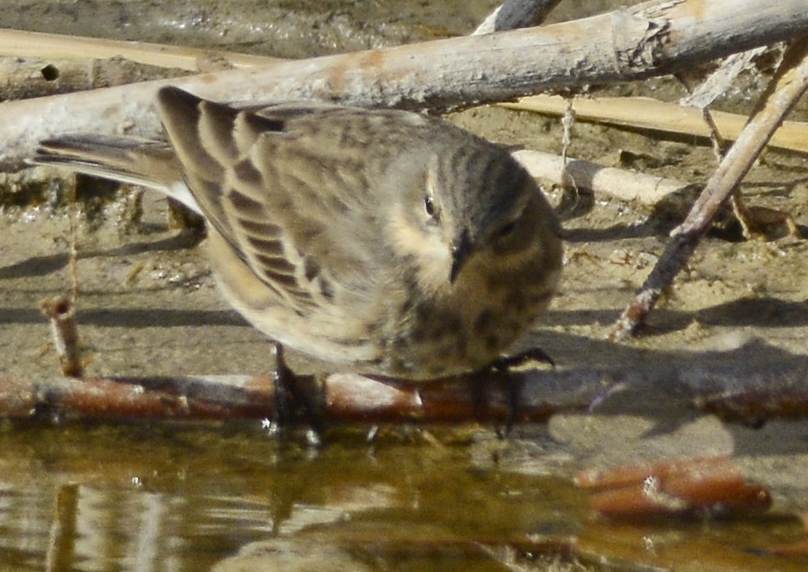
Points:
[[176, 498], [171, 498]]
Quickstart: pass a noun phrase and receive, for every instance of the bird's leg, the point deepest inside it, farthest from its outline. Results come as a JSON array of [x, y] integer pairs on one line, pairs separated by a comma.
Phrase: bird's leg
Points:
[[283, 379], [295, 397], [481, 380]]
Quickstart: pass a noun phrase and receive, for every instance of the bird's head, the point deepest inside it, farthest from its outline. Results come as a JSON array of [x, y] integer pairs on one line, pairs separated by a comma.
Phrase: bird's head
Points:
[[472, 206]]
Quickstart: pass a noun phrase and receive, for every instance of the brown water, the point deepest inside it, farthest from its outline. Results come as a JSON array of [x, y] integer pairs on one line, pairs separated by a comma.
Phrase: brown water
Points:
[[170, 497], [163, 497]]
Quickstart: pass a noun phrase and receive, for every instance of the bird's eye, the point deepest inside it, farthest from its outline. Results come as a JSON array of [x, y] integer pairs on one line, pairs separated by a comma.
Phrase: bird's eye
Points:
[[506, 230], [429, 206]]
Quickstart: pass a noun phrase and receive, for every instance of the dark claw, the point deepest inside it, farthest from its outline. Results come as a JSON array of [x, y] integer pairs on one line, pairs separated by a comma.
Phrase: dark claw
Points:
[[534, 354]]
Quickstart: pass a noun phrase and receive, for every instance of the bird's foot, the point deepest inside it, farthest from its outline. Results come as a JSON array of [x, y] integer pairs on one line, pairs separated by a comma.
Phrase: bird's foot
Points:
[[505, 364], [504, 367]]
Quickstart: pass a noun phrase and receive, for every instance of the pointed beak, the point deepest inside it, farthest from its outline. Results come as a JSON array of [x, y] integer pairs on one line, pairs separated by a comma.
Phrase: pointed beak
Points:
[[461, 249]]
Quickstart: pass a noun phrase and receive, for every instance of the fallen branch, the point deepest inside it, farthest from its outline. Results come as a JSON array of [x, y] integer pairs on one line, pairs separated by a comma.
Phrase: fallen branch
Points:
[[82, 63], [650, 39], [511, 15], [618, 183], [735, 392]]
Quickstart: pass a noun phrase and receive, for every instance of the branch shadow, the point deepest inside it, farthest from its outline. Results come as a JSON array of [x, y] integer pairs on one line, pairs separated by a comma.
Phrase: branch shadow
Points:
[[48, 264]]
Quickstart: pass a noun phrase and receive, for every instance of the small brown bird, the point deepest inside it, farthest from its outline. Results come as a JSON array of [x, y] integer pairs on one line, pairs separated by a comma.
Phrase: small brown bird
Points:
[[385, 242]]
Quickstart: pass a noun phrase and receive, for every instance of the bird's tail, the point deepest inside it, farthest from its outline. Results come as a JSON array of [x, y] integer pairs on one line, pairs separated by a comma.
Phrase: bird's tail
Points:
[[152, 164]]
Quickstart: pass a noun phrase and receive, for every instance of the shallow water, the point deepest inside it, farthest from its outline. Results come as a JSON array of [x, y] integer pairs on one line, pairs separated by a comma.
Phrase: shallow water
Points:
[[166, 497], [132, 497]]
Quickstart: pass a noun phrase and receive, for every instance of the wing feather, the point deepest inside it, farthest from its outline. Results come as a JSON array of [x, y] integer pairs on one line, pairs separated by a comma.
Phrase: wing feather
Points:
[[286, 200]]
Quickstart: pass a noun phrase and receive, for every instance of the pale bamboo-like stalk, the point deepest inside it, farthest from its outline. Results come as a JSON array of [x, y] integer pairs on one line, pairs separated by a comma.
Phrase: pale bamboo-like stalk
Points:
[[621, 184], [23, 44], [647, 113]]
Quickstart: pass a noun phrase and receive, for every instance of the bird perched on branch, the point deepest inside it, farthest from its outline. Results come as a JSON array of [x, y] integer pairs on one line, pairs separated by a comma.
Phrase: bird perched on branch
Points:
[[385, 242]]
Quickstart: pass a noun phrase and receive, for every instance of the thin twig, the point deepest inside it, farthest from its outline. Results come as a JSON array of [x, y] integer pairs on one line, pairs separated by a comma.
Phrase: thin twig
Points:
[[515, 14], [62, 315], [782, 94]]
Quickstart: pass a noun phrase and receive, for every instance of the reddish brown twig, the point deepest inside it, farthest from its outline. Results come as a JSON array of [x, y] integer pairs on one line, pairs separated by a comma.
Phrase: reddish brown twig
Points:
[[736, 392], [226, 397], [788, 85], [62, 315], [674, 487]]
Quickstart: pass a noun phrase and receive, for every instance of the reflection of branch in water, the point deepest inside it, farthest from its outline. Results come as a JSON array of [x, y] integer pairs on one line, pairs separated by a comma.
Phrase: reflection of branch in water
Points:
[[62, 535]]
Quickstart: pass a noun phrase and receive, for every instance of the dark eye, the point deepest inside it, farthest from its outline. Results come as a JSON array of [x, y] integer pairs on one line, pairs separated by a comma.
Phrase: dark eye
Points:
[[429, 206], [506, 230]]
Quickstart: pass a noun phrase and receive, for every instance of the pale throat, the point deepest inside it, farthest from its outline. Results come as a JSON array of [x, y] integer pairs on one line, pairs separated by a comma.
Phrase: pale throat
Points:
[[430, 252]]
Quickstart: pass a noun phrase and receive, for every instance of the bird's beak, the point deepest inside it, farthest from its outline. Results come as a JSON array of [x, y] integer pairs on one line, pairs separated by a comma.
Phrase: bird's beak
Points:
[[461, 249]]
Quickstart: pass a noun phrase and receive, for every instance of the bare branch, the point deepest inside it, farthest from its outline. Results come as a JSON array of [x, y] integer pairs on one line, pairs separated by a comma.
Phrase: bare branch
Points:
[[649, 39], [781, 96], [515, 14], [734, 391]]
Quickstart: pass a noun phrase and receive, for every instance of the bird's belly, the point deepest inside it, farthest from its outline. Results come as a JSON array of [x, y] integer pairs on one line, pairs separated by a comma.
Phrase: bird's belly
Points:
[[461, 335]]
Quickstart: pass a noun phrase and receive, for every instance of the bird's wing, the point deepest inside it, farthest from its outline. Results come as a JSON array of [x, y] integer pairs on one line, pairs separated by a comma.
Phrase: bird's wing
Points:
[[293, 202]]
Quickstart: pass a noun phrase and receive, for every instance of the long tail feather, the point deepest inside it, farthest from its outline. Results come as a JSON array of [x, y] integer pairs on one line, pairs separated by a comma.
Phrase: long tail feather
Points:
[[151, 164]]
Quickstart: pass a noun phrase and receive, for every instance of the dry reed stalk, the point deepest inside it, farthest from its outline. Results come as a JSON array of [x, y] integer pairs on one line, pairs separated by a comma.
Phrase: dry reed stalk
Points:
[[22, 44], [647, 113]]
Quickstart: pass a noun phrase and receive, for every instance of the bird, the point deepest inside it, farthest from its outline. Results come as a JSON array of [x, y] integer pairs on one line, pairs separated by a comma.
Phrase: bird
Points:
[[380, 241]]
